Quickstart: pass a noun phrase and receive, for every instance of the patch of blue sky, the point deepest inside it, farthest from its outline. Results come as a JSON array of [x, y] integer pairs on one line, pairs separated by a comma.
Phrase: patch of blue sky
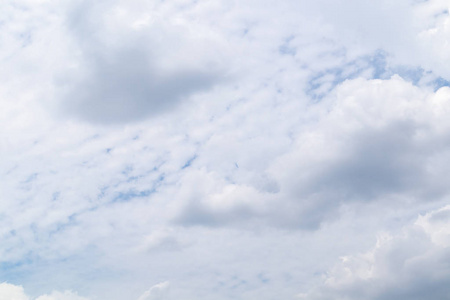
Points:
[[30, 269], [419, 77], [71, 221], [286, 48], [30, 178], [323, 82], [103, 192], [29, 181], [122, 192], [133, 178], [56, 196], [378, 64], [413, 75], [189, 162], [14, 270], [239, 284], [262, 278], [127, 170], [371, 67], [439, 83], [132, 194]]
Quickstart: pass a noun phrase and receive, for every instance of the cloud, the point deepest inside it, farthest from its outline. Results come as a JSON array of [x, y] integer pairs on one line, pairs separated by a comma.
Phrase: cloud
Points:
[[413, 37], [127, 68], [125, 88], [334, 124], [157, 292], [361, 152], [12, 292], [61, 296], [410, 265], [371, 140]]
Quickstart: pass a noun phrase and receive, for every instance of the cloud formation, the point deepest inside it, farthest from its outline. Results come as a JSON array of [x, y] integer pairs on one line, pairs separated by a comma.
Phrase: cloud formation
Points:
[[371, 140], [9, 291], [410, 265], [128, 67], [234, 148], [14, 292], [156, 292]]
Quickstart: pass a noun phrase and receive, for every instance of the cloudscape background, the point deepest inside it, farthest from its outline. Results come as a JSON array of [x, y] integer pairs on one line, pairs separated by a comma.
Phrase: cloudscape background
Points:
[[215, 150]]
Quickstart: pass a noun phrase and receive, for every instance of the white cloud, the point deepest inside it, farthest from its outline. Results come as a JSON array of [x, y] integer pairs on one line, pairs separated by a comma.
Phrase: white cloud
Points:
[[411, 265], [12, 292], [413, 34], [61, 296], [156, 292], [370, 140]]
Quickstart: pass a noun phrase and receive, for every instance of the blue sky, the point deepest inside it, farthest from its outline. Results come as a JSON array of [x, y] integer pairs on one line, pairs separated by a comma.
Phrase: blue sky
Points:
[[161, 150]]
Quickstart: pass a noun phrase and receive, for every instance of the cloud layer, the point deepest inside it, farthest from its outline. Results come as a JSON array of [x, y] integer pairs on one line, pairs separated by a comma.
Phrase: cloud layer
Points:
[[236, 149]]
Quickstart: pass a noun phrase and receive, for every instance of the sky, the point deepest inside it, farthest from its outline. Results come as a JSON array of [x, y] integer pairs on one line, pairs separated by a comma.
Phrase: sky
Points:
[[224, 149]]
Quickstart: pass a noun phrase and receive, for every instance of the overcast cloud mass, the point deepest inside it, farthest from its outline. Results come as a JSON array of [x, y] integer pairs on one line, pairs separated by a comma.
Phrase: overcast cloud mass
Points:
[[218, 150]]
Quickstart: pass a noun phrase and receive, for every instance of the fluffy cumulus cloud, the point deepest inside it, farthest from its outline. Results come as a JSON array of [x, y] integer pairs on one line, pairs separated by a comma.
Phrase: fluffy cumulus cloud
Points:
[[369, 140], [14, 292], [236, 149], [10, 291], [61, 296], [410, 265]]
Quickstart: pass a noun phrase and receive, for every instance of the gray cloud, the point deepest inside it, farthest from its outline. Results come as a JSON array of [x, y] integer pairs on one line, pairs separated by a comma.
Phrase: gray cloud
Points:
[[197, 213], [355, 153], [373, 163], [118, 76], [125, 88], [411, 265]]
